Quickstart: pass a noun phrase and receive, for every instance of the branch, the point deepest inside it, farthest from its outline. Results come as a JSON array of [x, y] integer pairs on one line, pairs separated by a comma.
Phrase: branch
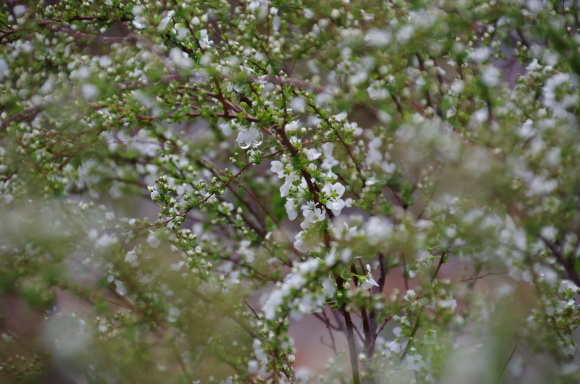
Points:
[[566, 262], [441, 261], [349, 335], [480, 276], [23, 115], [79, 35]]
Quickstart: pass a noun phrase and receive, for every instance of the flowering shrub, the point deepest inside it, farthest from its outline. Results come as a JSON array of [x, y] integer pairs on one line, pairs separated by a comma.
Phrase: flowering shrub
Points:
[[182, 181]]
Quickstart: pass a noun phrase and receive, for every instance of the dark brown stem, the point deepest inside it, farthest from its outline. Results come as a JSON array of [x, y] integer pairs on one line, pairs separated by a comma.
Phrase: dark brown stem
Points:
[[349, 334], [566, 262], [441, 261]]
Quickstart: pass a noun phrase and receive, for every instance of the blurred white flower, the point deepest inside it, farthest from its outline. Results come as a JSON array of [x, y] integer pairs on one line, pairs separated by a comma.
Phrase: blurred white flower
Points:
[[370, 281]]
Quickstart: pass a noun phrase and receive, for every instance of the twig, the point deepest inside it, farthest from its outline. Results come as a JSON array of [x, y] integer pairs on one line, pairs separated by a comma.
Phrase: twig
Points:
[[506, 364], [79, 35], [413, 332], [441, 260], [480, 276]]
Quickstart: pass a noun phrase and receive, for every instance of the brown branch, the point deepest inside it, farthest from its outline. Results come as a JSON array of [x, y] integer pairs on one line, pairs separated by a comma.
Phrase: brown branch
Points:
[[23, 115], [79, 35], [566, 262], [349, 334], [441, 261], [480, 276]]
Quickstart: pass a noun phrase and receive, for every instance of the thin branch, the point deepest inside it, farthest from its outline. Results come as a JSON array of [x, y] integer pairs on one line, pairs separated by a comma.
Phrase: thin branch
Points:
[[349, 335], [441, 261], [506, 364], [480, 276], [385, 322], [566, 262], [79, 35], [413, 332]]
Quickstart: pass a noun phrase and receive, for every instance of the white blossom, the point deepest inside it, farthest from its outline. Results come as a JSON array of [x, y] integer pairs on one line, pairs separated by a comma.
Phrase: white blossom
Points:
[[312, 215], [378, 38], [370, 281], [291, 208], [491, 76], [89, 91], [153, 240], [415, 362], [410, 295], [312, 154], [248, 137]]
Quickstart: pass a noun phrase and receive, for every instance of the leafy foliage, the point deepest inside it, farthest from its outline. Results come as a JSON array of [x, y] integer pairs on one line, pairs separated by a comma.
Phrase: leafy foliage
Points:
[[182, 181]]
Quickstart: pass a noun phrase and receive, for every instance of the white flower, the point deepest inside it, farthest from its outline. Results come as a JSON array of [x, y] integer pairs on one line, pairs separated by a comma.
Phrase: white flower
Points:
[[312, 216], [300, 244], [106, 240], [370, 281], [329, 287], [295, 141], [312, 154], [291, 208], [328, 163], [292, 126], [327, 148], [161, 27], [333, 191], [205, 42], [378, 38], [448, 303], [298, 105], [371, 181], [139, 22], [480, 116], [410, 295], [394, 346], [457, 86], [89, 91], [549, 232], [533, 66], [19, 10], [153, 240], [278, 168], [285, 188], [415, 362], [405, 33], [244, 251], [248, 137], [121, 289], [491, 76], [377, 93], [377, 229], [336, 206], [131, 256], [341, 116], [540, 186], [388, 168], [274, 300], [253, 366], [480, 54], [549, 94], [180, 58]]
